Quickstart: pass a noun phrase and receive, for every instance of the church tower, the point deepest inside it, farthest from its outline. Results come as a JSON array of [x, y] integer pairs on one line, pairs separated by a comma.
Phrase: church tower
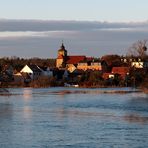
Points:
[[62, 56]]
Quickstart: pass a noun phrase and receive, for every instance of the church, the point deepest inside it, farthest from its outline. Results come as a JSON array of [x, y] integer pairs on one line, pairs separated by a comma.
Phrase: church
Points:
[[71, 63], [65, 61]]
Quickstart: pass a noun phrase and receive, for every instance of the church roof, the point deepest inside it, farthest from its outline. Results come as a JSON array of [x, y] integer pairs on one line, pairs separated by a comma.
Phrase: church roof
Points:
[[74, 59]]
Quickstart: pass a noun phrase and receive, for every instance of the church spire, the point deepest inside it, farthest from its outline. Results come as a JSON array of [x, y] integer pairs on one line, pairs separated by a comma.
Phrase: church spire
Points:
[[62, 57], [62, 46], [62, 51]]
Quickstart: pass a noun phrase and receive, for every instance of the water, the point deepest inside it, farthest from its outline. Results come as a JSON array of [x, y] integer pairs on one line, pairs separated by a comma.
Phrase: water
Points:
[[73, 117]]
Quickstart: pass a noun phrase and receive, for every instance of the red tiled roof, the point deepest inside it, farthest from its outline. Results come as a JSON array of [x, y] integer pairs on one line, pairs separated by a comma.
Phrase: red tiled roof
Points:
[[120, 70], [74, 59]]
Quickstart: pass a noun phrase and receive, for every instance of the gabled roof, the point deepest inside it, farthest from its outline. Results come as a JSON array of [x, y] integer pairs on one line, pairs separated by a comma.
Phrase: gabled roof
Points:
[[74, 59], [120, 70], [35, 68], [30, 69]]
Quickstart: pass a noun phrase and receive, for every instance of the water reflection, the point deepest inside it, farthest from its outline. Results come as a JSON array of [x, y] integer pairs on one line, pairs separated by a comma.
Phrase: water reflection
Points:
[[134, 118], [140, 95], [27, 94], [27, 112], [5, 110], [6, 119], [94, 91]]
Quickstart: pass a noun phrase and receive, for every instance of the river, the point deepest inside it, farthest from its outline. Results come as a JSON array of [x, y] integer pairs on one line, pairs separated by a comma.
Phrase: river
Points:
[[73, 118]]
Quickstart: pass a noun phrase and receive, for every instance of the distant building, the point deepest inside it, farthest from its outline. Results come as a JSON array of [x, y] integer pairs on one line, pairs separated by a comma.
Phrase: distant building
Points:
[[33, 72], [68, 62], [121, 71], [135, 62], [72, 63], [90, 65], [18, 77]]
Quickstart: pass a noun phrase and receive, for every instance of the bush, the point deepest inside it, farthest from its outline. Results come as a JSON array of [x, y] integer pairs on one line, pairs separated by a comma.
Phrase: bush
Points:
[[43, 81]]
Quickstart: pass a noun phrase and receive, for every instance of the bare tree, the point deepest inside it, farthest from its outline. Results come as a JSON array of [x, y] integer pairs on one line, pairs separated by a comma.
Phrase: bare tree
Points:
[[138, 49]]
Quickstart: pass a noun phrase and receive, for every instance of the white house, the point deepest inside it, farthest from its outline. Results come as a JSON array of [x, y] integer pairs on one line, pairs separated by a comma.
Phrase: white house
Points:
[[140, 64], [35, 71], [32, 70], [137, 64]]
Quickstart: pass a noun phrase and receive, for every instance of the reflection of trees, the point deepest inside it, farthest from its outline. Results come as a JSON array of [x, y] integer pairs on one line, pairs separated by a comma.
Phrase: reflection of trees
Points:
[[136, 118], [6, 135], [136, 108], [5, 110]]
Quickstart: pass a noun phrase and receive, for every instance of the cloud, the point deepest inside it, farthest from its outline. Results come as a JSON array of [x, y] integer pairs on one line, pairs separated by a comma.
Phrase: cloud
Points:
[[42, 25], [29, 38]]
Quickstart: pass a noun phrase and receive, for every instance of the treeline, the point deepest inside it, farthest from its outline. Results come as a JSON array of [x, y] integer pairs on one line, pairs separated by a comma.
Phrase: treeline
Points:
[[18, 63]]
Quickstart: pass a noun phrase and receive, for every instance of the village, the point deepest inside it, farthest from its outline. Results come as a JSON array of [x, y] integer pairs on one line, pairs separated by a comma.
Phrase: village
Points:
[[75, 70]]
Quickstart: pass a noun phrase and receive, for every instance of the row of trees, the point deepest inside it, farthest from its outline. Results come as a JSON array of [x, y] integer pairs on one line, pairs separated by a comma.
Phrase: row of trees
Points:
[[18, 63]]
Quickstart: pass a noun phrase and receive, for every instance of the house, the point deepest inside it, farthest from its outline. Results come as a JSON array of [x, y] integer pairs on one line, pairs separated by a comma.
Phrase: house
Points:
[[89, 65], [121, 71], [95, 65], [72, 62], [83, 65], [33, 71], [106, 76], [139, 64], [18, 77], [135, 62]]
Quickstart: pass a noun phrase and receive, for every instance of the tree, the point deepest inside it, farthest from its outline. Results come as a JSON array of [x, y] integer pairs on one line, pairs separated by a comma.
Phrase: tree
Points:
[[112, 60], [138, 49]]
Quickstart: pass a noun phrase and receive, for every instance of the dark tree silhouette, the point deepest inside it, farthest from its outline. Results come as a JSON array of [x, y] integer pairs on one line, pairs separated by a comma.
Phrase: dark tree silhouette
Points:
[[138, 49]]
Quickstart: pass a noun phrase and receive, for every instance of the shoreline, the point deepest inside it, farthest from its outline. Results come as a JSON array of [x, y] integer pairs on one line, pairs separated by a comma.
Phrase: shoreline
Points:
[[113, 90]]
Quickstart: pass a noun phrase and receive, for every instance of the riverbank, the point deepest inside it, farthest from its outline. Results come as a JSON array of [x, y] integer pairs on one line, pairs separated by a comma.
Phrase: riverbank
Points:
[[75, 90]]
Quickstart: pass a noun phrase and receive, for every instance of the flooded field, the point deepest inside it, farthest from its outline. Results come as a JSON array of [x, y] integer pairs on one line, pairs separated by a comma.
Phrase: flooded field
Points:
[[73, 117]]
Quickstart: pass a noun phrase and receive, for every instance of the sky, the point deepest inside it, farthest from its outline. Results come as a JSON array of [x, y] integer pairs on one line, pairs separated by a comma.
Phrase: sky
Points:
[[94, 10], [36, 28]]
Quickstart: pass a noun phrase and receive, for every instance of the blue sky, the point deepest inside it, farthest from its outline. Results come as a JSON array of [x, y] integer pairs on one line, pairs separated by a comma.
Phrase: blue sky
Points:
[[93, 10], [36, 28]]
